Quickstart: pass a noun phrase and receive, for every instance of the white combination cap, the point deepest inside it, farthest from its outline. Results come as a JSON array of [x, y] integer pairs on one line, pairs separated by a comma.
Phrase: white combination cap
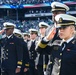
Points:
[[17, 31], [8, 25], [65, 20], [43, 24], [57, 6], [33, 31]]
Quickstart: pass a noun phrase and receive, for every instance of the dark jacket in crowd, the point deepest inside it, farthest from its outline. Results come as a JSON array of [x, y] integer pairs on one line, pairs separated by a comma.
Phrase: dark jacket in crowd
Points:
[[12, 53], [64, 60]]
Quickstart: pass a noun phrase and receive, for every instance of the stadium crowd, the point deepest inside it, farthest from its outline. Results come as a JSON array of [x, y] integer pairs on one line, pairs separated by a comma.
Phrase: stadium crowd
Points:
[[25, 25], [50, 53], [28, 1]]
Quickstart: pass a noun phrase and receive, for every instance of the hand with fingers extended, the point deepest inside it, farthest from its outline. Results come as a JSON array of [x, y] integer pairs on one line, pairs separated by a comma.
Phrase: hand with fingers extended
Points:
[[1, 31], [51, 34]]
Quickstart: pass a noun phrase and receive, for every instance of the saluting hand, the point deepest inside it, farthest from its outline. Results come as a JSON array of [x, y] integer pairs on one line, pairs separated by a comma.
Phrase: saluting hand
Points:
[[51, 34], [1, 31]]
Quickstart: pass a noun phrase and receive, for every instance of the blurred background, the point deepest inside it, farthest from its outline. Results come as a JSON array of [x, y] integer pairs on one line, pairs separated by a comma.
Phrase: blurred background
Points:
[[28, 13]]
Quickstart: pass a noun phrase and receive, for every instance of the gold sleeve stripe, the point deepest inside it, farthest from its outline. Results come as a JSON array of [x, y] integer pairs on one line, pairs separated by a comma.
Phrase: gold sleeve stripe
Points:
[[26, 64], [42, 45], [19, 62], [50, 62], [44, 66]]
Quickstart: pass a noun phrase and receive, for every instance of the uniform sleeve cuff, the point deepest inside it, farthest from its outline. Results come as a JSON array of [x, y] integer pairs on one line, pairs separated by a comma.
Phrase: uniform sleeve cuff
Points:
[[19, 62], [45, 39], [18, 66], [27, 65]]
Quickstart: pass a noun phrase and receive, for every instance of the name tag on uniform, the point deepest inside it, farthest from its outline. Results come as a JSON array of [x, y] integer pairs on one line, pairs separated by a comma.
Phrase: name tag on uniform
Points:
[[68, 49], [11, 43]]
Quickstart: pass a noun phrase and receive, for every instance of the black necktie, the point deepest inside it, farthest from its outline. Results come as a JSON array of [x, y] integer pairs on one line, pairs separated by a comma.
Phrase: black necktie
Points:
[[32, 43], [64, 45], [6, 39]]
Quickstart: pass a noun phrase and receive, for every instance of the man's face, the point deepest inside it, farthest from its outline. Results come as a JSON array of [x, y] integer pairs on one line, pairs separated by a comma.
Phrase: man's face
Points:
[[42, 30], [33, 36], [9, 31], [56, 13], [25, 37]]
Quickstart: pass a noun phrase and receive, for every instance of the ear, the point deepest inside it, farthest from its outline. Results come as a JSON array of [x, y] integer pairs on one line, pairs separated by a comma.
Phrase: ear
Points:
[[72, 27]]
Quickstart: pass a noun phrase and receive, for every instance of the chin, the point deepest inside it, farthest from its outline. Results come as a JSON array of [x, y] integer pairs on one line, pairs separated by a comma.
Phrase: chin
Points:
[[61, 37]]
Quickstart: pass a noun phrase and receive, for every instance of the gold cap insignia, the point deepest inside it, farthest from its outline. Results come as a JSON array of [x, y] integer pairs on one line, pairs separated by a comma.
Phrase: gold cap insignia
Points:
[[60, 20]]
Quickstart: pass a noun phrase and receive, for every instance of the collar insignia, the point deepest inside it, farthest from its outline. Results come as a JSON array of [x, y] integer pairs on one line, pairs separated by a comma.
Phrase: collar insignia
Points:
[[73, 42]]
